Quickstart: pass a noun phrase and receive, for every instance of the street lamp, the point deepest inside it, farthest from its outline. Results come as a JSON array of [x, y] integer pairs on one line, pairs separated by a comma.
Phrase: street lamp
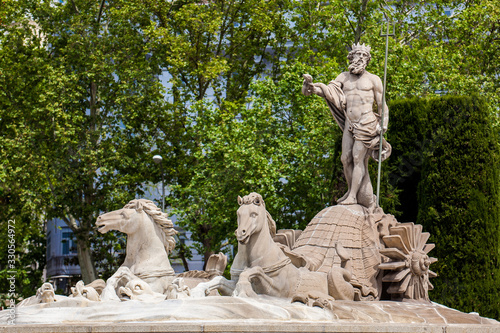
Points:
[[158, 160]]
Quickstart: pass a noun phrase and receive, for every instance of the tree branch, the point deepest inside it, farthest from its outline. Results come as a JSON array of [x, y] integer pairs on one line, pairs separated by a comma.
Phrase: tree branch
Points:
[[361, 19], [75, 7], [414, 35], [100, 12]]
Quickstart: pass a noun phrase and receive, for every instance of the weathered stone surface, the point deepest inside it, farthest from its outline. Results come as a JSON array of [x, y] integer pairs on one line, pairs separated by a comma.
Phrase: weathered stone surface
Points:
[[350, 227], [261, 308], [351, 97], [252, 326]]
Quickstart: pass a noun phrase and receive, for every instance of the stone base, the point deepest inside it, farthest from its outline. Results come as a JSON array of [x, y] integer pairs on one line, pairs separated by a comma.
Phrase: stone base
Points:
[[235, 314], [252, 326]]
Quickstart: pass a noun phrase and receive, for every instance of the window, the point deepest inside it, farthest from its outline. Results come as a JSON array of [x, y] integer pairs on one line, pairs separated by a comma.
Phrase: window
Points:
[[68, 246]]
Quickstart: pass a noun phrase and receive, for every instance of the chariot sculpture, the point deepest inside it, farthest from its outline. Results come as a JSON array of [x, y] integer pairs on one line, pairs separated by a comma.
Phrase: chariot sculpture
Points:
[[343, 254], [352, 251], [349, 253]]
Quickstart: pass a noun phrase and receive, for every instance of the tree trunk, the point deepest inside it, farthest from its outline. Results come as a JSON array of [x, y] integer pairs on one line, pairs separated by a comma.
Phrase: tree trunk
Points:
[[87, 267], [206, 242], [184, 261], [361, 19]]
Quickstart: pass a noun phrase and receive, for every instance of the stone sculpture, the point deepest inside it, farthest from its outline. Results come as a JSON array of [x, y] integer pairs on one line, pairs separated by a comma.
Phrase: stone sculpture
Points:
[[345, 253], [262, 267], [144, 224], [341, 255], [149, 241], [363, 228], [408, 267], [46, 295], [349, 252], [146, 274], [138, 290], [350, 98], [89, 292]]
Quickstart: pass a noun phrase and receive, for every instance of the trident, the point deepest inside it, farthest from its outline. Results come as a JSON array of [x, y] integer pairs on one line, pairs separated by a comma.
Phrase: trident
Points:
[[386, 35]]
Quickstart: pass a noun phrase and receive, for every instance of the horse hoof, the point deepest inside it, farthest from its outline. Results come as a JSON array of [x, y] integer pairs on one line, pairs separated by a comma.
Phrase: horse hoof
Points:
[[322, 303], [244, 289], [300, 299]]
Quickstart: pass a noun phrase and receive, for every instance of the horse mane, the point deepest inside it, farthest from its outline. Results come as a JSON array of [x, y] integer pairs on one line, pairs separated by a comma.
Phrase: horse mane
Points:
[[256, 199], [161, 220]]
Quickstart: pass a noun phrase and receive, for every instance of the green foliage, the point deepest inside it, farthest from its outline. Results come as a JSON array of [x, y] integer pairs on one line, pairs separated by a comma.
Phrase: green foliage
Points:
[[213, 53], [23, 254], [76, 105], [460, 203], [449, 173], [81, 110], [281, 144], [217, 48], [403, 169]]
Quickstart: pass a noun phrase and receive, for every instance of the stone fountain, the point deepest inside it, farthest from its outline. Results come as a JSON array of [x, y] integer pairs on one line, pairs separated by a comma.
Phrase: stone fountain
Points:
[[354, 268]]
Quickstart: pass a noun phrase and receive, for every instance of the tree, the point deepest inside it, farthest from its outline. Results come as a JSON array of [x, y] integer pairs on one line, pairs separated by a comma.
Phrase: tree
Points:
[[451, 188], [21, 223], [281, 150], [212, 52], [78, 102], [459, 203], [91, 75]]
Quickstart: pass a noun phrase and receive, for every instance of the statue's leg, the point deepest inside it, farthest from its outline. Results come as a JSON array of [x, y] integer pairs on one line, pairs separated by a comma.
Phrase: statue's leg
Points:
[[365, 194], [346, 158], [359, 152], [224, 286], [119, 279], [244, 286], [338, 284]]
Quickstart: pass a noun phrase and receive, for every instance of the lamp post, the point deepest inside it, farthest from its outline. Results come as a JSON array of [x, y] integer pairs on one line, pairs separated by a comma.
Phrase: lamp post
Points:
[[158, 160]]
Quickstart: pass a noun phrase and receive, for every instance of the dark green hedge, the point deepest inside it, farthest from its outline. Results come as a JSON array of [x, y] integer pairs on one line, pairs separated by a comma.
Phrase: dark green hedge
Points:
[[446, 163]]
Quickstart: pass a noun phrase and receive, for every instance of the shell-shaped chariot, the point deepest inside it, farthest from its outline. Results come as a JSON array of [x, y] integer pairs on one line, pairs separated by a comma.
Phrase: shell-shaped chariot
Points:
[[374, 247]]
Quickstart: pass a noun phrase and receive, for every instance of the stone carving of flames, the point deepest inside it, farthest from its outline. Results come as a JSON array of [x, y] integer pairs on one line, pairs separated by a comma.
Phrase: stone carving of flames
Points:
[[407, 270]]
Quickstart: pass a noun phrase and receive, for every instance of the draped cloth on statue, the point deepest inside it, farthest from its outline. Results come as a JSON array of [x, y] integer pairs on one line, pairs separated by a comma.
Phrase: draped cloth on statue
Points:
[[334, 97], [365, 130]]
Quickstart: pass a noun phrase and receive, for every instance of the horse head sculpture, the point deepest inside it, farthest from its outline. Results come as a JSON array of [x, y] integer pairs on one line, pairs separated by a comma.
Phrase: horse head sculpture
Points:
[[252, 217], [132, 217], [144, 223]]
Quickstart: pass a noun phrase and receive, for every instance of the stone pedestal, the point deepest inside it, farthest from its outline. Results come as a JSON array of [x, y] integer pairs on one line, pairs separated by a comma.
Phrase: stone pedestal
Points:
[[254, 327], [235, 314]]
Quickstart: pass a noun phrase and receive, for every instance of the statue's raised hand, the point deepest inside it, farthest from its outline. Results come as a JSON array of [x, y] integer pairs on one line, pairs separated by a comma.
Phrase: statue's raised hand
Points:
[[307, 87]]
